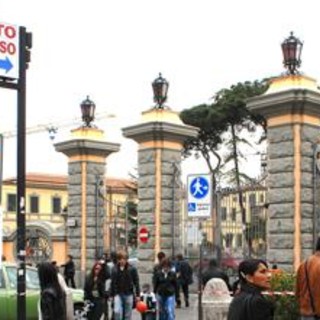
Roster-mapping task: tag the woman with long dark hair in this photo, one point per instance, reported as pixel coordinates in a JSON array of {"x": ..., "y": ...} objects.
[
  {"x": 249, "y": 303},
  {"x": 94, "y": 290},
  {"x": 52, "y": 298}
]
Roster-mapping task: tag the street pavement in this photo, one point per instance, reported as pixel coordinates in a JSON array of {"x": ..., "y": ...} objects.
[{"x": 190, "y": 313}]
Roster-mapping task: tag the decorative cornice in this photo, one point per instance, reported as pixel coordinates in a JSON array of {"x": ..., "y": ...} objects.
[
  {"x": 86, "y": 147},
  {"x": 291, "y": 101},
  {"x": 155, "y": 130}
]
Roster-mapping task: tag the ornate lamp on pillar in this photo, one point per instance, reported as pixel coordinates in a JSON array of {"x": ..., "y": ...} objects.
[
  {"x": 291, "y": 107},
  {"x": 87, "y": 109},
  {"x": 87, "y": 151},
  {"x": 160, "y": 88},
  {"x": 291, "y": 50},
  {"x": 160, "y": 136}
]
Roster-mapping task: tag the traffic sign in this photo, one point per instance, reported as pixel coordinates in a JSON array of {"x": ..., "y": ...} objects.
[
  {"x": 199, "y": 195},
  {"x": 144, "y": 235},
  {"x": 9, "y": 51}
]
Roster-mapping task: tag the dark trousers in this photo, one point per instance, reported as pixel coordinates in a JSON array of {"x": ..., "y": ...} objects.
[
  {"x": 70, "y": 281},
  {"x": 97, "y": 309},
  {"x": 185, "y": 290}
]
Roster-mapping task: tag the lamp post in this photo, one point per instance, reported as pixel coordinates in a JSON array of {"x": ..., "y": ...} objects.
[
  {"x": 160, "y": 88},
  {"x": 88, "y": 108},
  {"x": 291, "y": 49}
]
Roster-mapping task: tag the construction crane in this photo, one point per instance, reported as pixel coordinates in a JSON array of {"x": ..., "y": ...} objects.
[{"x": 53, "y": 127}]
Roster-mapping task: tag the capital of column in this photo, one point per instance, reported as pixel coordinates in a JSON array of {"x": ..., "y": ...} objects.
[
  {"x": 160, "y": 125},
  {"x": 290, "y": 95},
  {"x": 88, "y": 142}
]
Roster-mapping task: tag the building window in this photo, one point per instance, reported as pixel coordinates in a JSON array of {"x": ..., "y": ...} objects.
[
  {"x": 11, "y": 202},
  {"x": 252, "y": 200},
  {"x": 34, "y": 204},
  {"x": 229, "y": 239},
  {"x": 56, "y": 205},
  {"x": 261, "y": 197},
  {"x": 223, "y": 213},
  {"x": 233, "y": 214}
]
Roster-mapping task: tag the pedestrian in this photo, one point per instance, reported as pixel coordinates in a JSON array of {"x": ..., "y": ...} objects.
[
  {"x": 69, "y": 271},
  {"x": 125, "y": 287},
  {"x": 149, "y": 298},
  {"x": 213, "y": 271},
  {"x": 184, "y": 277},
  {"x": 52, "y": 297},
  {"x": 67, "y": 291},
  {"x": 157, "y": 267},
  {"x": 94, "y": 290},
  {"x": 107, "y": 282},
  {"x": 165, "y": 282},
  {"x": 249, "y": 303},
  {"x": 307, "y": 286}
]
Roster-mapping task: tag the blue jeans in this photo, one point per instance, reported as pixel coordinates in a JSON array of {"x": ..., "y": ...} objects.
[
  {"x": 123, "y": 306},
  {"x": 166, "y": 307}
]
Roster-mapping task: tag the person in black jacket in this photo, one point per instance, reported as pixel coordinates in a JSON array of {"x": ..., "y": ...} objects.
[
  {"x": 213, "y": 271},
  {"x": 125, "y": 288},
  {"x": 52, "y": 298},
  {"x": 185, "y": 278},
  {"x": 94, "y": 291},
  {"x": 165, "y": 286},
  {"x": 249, "y": 303},
  {"x": 69, "y": 272}
]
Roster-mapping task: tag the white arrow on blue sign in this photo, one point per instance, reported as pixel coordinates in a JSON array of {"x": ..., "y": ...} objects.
[{"x": 199, "y": 195}]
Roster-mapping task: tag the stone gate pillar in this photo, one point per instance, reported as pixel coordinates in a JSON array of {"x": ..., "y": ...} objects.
[
  {"x": 160, "y": 136},
  {"x": 87, "y": 152},
  {"x": 292, "y": 109}
]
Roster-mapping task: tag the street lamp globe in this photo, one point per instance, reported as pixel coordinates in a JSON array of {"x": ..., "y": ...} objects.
[
  {"x": 291, "y": 50},
  {"x": 160, "y": 88},
  {"x": 87, "y": 109}
]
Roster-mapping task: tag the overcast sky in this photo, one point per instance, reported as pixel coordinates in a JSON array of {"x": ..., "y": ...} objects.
[{"x": 113, "y": 50}]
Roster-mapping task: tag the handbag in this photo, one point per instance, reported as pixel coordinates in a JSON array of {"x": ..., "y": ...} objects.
[{"x": 315, "y": 317}]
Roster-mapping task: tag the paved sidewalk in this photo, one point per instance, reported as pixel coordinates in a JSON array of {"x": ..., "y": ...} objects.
[{"x": 184, "y": 313}]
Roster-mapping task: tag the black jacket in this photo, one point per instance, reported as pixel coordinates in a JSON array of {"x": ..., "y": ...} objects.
[
  {"x": 69, "y": 269},
  {"x": 53, "y": 305},
  {"x": 165, "y": 285},
  {"x": 89, "y": 286},
  {"x": 250, "y": 304},
  {"x": 124, "y": 281}
]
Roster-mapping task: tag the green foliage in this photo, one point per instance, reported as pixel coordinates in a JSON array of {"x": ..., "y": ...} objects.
[
  {"x": 227, "y": 113},
  {"x": 132, "y": 224},
  {"x": 286, "y": 306}
]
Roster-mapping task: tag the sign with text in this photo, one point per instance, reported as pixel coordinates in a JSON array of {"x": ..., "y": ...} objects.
[
  {"x": 9, "y": 51},
  {"x": 199, "y": 195}
]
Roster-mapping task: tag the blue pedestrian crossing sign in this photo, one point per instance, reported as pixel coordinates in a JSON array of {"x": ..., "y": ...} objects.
[{"x": 199, "y": 195}]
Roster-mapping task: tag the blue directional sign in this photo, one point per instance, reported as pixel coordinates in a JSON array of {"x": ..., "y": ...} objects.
[
  {"x": 9, "y": 51},
  {"x": 199, "y": 195}
]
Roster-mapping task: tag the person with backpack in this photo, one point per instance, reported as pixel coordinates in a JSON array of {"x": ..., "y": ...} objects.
[
  {"x": 125, "y": 288},
  {"x": 184, "y": 278}
]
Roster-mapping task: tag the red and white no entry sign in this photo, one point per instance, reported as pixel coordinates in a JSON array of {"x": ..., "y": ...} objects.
[{"x": 144, "y": 234}]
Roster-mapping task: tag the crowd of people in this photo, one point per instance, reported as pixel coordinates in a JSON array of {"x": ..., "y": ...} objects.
[{"x": 112, "y": 288}]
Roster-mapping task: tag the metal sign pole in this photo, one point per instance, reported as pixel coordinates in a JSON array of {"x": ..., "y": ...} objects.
[{"x": 21, "y": 173}]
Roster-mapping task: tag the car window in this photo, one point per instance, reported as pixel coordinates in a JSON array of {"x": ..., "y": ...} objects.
[
  {"x": 2, "y": 285},
  {"x": 32, "y": 279},
  {"x": 12, "y": 277}
]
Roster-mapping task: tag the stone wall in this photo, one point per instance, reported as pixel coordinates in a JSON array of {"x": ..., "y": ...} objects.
[
  {"x": 281, "y": 193},
  {"x": 94, "y": 210},
  {"x": 170, "y": 205}
]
